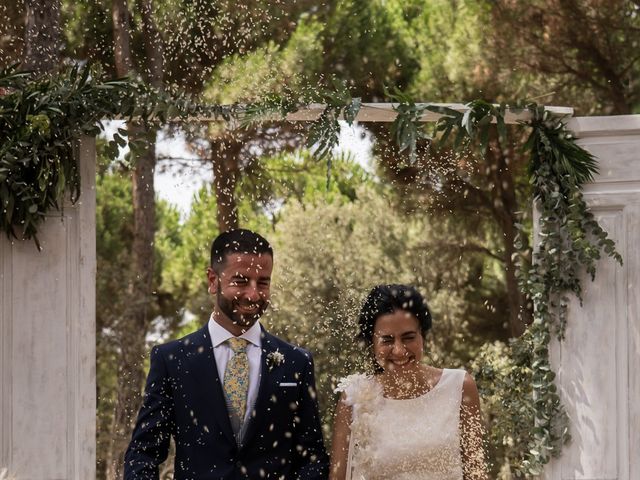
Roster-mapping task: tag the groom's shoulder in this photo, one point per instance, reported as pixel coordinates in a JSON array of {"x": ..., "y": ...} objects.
[{"x": 187, "y": 342}]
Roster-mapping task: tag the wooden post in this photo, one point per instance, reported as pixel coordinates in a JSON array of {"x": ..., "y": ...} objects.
[{"x": 47, "y": 343}]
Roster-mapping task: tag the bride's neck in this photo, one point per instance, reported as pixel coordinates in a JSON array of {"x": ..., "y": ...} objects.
[{"x": 406, "y": 384}]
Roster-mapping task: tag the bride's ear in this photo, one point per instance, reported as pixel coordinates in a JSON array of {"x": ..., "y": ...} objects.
[
  {"x": 370, "y": 363},
  {"x": 376, "y": 363},
  {"x": 427, "y": 353}
]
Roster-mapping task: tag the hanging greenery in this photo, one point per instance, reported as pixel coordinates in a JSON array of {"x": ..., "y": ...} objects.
[
  {"x": 42, "y": 118},
  {"x": 323, "y": 133},
  {"x": 406, "y": 129},
  {"x": 570, "y": 242}
]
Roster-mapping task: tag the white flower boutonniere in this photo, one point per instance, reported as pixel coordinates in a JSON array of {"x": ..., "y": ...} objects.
[{"x": 275, "y": 359}]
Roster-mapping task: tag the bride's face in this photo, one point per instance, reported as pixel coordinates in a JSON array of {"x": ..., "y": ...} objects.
[{"x": 397, "y": 342}]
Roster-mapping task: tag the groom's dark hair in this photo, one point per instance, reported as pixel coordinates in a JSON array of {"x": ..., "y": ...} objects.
[{"x": 237, "y": 241}]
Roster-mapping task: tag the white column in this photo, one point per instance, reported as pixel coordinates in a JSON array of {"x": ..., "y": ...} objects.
[
  {"x": 598, "y": 364},
  {"x": 47, "y": 343}
]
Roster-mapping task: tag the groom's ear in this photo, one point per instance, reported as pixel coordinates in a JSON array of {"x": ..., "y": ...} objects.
[{"x": 212, "y": 278}]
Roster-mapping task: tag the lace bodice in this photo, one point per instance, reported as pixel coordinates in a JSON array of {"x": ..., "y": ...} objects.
[{"x": 409, "y": 439}]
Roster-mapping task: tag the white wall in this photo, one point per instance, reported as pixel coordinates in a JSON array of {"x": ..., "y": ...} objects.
[
  {"x": 599, "y": 362},
  {"x": 47, "y": 344}
]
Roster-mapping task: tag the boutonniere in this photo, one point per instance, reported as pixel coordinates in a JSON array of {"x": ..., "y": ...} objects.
[{"x": 275, "y": 359}]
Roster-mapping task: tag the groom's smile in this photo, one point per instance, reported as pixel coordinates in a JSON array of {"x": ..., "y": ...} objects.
[{"x": 242, "y": 290}]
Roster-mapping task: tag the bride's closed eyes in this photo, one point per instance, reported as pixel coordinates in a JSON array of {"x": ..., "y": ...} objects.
[{"x": 389, "y": 339}]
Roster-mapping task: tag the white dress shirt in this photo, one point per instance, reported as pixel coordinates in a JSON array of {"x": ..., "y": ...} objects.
[{"x": 223, "y": 353}]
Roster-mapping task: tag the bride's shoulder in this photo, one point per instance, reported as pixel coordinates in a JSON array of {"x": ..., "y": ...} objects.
[
  {"x": 359, "y": 388},
  {"x": 355, "y": 381}
]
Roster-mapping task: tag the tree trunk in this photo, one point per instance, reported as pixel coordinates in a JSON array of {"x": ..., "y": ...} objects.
[
  {"x": 12, "y": 33},
  {"x": 152, "y": 44},
  {"x": 42, "y": 35},
  {"x": 504, "y": 210},
  {"x": 121, "y": 37},
  {"x": 133, "y": 328},
  {"x": 225, "y": 153}
]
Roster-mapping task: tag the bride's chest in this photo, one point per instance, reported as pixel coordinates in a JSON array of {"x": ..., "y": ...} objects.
[{"x": 415, "y": 422}]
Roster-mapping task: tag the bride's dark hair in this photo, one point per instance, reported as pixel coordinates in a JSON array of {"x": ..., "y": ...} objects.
[{"x": 385, "y": 299}]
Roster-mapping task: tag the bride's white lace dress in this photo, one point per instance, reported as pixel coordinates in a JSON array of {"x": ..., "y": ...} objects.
[{"x": 409, "y": 439}]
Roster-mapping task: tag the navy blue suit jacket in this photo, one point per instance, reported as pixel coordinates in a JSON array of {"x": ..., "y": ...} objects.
[{"x": 184, "y": 398}]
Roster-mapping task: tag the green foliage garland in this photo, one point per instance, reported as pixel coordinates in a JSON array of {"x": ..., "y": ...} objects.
[
  {"x": 406, "y": 129},
  {"x": 571, "y": 241},
  {"x": 41, "y": 118},
  {"x": 38, "y": 123},
  {"x": 323, "y": 134}
]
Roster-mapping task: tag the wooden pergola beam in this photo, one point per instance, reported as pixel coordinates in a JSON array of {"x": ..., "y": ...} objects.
[{"x": 384, "y": 112}]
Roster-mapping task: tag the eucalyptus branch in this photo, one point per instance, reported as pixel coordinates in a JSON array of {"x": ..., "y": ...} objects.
[
  {"x": 324, "y": 132},
  {"x": 40, "y": 120},
  {"x": 570, "y": 242},
  {"x": 406, "y": 129},
  {"x": 273, "y": 107}
]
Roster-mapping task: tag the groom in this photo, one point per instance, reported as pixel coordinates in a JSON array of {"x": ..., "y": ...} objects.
[{"x": 239, "y": 402}]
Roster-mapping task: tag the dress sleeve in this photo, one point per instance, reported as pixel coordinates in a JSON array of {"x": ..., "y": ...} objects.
[{"x": 355, "y": 387}]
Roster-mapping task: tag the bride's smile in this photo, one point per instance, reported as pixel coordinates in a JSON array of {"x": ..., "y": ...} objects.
[{"x": 397, "y": 342}]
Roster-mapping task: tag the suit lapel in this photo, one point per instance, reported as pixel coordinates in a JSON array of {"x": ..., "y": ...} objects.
[
  {"x": 205, "y": 372},
  {"x": 268, "y": 373}
]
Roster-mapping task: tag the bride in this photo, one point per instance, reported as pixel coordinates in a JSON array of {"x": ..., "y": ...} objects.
[{"x": 408, "y": 420}]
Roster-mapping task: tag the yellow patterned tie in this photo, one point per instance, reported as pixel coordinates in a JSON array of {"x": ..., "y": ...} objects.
[{"x": 236, "y": 376}]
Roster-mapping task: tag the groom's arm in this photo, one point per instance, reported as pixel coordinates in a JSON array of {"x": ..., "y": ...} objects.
[
  {"x": 149, "y": 445},
  {"x": 311, "y": 461}
]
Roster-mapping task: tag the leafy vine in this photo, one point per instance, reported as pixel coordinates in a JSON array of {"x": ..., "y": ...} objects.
[
  {"x": 571, "y": 241},
  {"x": 41, "y": 118},
  {"x": 323, "y": 133}
]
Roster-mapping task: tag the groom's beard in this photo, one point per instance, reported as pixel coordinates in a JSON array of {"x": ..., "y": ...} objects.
[{"x": 229, "y": 306}]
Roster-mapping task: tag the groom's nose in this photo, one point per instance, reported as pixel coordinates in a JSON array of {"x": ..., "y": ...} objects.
[{"x": 251, "y": 292}]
